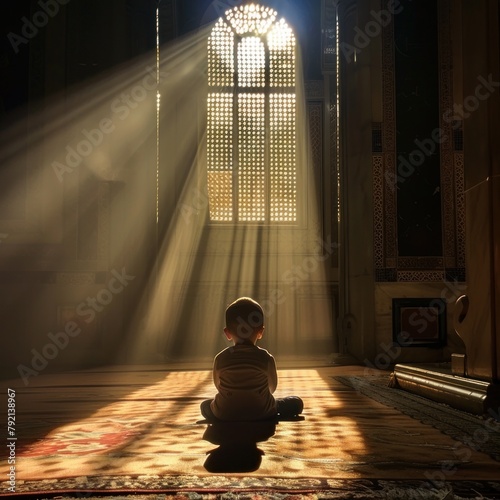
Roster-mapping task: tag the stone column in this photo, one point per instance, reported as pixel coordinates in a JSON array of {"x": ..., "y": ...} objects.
[{"x": 356, "y": 268}]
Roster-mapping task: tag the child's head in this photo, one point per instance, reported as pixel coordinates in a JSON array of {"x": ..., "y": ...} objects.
[{"x": 244, "y": 320}]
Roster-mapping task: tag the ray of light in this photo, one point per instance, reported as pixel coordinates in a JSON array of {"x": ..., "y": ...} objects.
[
  {"x": 203, "y": 266},
  {"x": 101, "y": 203}
]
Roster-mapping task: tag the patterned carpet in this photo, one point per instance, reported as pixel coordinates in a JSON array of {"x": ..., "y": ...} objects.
[
  {"x": 471, "y": 430},
  {"x": 122, "y": 431},
  {"x": 191, "y": 488}
]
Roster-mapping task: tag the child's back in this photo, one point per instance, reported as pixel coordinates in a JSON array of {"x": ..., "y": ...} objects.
[{"x": 245, "y": 375}]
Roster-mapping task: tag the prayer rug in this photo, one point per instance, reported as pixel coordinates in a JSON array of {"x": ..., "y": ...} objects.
[{"x": 138, "y": 430}]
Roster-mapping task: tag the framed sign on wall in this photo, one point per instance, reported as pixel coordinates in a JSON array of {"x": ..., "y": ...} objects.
[{"x": 419, "y": 322}]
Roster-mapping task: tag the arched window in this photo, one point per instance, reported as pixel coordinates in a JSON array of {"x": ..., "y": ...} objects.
[{"x": 251, "y": 118}]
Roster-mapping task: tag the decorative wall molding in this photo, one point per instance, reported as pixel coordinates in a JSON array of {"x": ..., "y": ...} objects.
[
  {"x": 315, "y": 120},
  {"x": 389, "y": 266},
  {"x": 314, "y": 89},
  {"x": 329, "y": 38}
]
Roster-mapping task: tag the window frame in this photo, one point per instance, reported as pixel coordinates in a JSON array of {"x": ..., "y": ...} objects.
[{"x": 236, "y": 90}]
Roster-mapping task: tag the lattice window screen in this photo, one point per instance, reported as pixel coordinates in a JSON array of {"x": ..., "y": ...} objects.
[
  {"x": 281, "y": 42},
  {"x": 219, "y": 156},
  {"x": 221, "y": 55},
  {"x": 251, "y": 62},
  {"x": 283, "y": 178},
  {"x": 251, "y": 122}
]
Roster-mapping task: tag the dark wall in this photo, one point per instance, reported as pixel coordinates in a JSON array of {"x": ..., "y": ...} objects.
[
  {"x": 14, "y": 58},
  {"x": 72, "y": 39},
  {"x": 417, "y": 116}
]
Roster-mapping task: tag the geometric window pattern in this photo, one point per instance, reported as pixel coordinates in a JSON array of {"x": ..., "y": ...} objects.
[{"x": 251, "y": 118}]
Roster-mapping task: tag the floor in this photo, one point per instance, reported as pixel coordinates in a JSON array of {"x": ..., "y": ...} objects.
[{"x": 139, "y": 427}]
